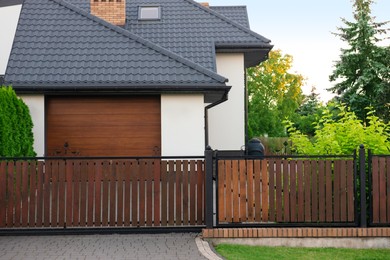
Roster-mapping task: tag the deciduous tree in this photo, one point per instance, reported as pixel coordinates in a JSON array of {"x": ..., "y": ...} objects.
[{"x": 274, "y": 94}]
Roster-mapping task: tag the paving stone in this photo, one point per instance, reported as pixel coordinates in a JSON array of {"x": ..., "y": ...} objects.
[{"x": 133, "y": 246}]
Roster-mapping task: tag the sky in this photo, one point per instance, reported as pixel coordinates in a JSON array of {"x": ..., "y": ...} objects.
[{"x": 301, "y": 28}]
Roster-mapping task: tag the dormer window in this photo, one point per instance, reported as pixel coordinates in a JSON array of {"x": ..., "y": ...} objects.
[{"x": 149, "y": 13}]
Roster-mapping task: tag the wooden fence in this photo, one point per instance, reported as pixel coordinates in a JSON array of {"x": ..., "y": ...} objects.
[
  {"x": 101, "y": 193},
  {"x": 286, "y": 191},
  {"x": 380, "y": 190}
]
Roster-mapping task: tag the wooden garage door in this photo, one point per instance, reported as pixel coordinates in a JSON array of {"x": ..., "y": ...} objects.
[{"x": 103, "y": 126}]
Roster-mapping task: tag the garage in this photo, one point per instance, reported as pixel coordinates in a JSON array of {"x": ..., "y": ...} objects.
[{"x": 103, "y": 126}]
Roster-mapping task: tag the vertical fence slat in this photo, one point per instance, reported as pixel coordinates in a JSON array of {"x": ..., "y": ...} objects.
[
  {"x": 192, "y": 192},
  {"x": 134, "y": 193},
  {"x": 286, "y": 191},
  {"x": 200, "y": 192},
  {"x": 91, "y": 192},
  {"x": 336, "y": 190},
  {"x": 382, "y": 190},
  {"x": 350, "y": 191},
  {"x": 242, "y": 191},
  {"x": 157, "y": 191},
  {"x": 98, "y": 193},
  {"x": 293, "y": 190},
  {"x": 46, "y": 194},
  {"x": 76, "y": 193},
  {"x": 271, "y": 171},
  {"x": 301, "y": 194},
  {"x": 307, "y": 184},
  {"x": 61, "y": 193},
  {"x": 171, "y": 205},
  {"x": 265, "y": 198},
  {"x": 31, "y": 194},
  {"x": 120, "y": 194},
  {"x": 321, "y": 191},
  {"x": 258, "y": 192},
  {"x": 314, "y": 190},
  {"x": 250, "y": 190},
  {"x": 229, "y": 191},
  {"x": 24, "y": 194},
  {"x": 328, "y": 191},
  {"x": 236, "y": 201},
  {"x": 3, "y": 193},
  {"x": 112, "y": 184},
  {"x": 343, "y": 191},
  {"x": 186, "y": 203},
  {"x": 222, "y": 190},
  {"x": 18, "y": 194},
  {"x": 54, "y": 194},
  {"x": 141, "y": 197},
  {"x": 83, "y": 192},
  {"x": 11, "y": 194},
  {"x": 179, "y": 180},
  {"x": 164, "y": 192},
  {"x": 106, "y": 194},
  {"x": 127, "y": 171},
  {"x": 279, "y": 194},
  {"x": 40, "y": 181},
  {"x": 149, "y": 193},
  {"x": 69, "y": 191}
]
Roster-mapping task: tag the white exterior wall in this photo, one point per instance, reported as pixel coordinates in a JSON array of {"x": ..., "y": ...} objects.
[
  {"x": 227, "y": 120},
  {"x": 36, "y": 104},
  {"x": 182, "y": 125}
]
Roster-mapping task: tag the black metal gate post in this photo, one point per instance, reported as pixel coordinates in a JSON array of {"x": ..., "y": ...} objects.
[
  {"x": 209, "y": 187},
  {"x": 363, "y": 196}
]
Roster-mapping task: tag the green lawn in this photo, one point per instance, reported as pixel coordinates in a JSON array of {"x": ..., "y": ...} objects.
[{"x": 233, "y": 252}]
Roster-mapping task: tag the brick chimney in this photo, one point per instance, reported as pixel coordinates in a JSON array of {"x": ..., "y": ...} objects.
[
  {"x": 112, "y": 11},
  {"x": 205, "y": 4}
]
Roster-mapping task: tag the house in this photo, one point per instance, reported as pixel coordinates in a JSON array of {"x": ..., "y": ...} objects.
[{"x": 135, "y": 77}]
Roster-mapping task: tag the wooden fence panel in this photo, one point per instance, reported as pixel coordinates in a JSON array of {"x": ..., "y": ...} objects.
[
  {"x": 286, "y": 191},
  {"x": 380, "y": 190}
]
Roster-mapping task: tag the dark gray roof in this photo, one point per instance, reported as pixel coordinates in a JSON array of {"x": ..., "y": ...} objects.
[
  {"x": 239, "y": 14},
  {"x": 194, "y": 31},
  {"x": 58, "y": 45}
]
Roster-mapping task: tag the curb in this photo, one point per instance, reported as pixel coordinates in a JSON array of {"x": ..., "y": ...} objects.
[{"x": 205, "y": 250}]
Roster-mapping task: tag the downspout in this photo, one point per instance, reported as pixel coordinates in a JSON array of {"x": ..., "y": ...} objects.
[{"x": 206, "y": 115}]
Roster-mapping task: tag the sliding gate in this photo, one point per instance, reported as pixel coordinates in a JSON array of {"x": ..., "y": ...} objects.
[{"x": 101, "y": 192}]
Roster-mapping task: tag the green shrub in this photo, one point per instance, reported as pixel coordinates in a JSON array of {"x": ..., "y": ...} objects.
[
  {"x": 342, "y": 135},
  {"x": 16, "y": 137}
]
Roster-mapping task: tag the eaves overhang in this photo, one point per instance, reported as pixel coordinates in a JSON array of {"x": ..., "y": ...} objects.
[
  {"x": 212, "y": 92},
  {"x": 254, "y": 53}
]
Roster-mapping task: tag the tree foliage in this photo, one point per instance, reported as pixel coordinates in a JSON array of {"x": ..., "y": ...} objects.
[
  {"x": 362, "y": 74},
  {"x": 16, "y": 137},
  {"x": 309, "y": 113},
  {"x": 274, "y": 94},
  {"x": 339, "y": 131}
]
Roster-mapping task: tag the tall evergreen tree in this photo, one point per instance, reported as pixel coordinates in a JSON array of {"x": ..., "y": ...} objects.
[
  {"x": 16, "y": 137},
  {"x": 363, "y": 71}
]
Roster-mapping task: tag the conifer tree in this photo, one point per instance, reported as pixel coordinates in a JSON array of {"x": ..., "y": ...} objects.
[{"x": 362, "y": 74}]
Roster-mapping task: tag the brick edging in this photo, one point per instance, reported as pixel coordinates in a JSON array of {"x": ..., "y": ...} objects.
[{"x": 295, "y": 232}]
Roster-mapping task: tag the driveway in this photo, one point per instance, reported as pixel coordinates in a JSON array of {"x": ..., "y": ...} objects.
[{"x": 133, "y": 246}]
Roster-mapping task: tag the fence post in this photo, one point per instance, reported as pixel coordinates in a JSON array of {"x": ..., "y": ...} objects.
[
  {"x": 363, "y": 196},
  {"x": 209, "y": 187}
]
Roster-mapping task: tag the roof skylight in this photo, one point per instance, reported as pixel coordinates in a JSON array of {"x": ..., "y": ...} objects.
[{"x": 149, "y": 13}]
